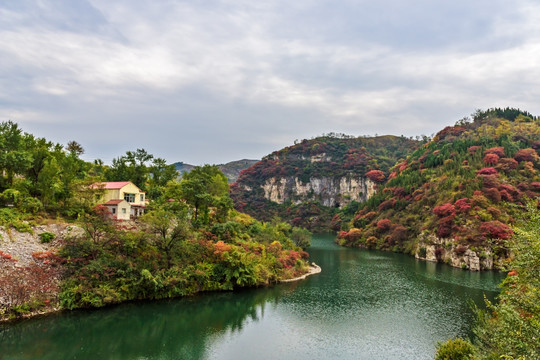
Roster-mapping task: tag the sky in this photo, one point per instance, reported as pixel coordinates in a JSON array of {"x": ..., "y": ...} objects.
[{"x": 220, "y": 80}]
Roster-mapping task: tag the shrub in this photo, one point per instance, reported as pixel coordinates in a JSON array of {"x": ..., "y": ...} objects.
[
  {"x": 46, "y": 237},
  {"x": 460, "y": 250},
  {"x": 487, "y": 171},
  {"x": 388, "y": 204},
  {"x": 496, "y": 230},
  {"x": 445, "y": 226},
  {"x": 384, "y": 224},
  {"x": 376, "y": 176},
  {"x": 491, "y": 159},
  {"x": 498, "y": 150},
  {"x": 462, "y": 205},
  {"x": 454, "y": 349},
  {"x": 506, "y": 164},
  {"x": 526, "y": 155},
  {"x": 493, "y": 194},
  {"x": 444, "y": 210}
]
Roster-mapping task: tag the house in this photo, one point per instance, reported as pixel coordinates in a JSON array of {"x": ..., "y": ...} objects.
[{"x": 123, "y": 199}]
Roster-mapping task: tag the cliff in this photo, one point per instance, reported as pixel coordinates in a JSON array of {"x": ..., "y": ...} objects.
[
  {"x": 330, "y": 192},
  {"x": 307, "y": 183}
]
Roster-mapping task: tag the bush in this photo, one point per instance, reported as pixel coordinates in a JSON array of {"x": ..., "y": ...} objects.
[
  {"x": 454, "y": 349},
  {"x": 46, "y": 237},
  {"x": 376, "y": 176}
]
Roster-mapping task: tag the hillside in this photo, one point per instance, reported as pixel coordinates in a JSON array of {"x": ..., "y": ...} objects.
[
  {"x": 307, "y": 183},
  {"x": 231, "y": 169},
  {"x": 455, "y": 199}
]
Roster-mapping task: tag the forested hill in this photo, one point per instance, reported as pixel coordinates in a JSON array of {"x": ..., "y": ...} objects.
[
  {"x": 305, "y": 183},
  {"x": 231, "y": 169},
  {"x": 455, "y": 198}
]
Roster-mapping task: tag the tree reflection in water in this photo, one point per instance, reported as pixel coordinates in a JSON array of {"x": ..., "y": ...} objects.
[{"x": 174, "y": 329}]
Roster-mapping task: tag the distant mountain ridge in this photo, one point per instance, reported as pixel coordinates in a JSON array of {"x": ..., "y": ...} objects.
[{"x": 231, "y": 169}]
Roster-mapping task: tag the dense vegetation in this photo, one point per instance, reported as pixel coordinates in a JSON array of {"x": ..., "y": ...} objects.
[
  {"x": 467, "y": 186},
  {"x": 189, "y": 240},
  {"x": 509, "y": 329},
  {"x": 332, "y": 155}
]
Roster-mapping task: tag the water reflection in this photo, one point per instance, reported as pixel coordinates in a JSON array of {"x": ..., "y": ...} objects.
[
  {"x": 176, "y": 329},
  {"x": 364, "y": 305}
]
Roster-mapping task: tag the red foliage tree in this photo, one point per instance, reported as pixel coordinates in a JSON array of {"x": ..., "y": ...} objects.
[
  {"x": 498, "y": 150},
  {"x": 388, "y": 204},
  {"x": 473, "y": 149},
  {"x": 376, "y": 176},
  {"x": 462, "y": 205},
  {"x": 444, "y": 210},
  {"x": 492, "y": 194},
  {"x": 490, "y": 181},
  {"x": 399, "y": 233},
  {"x": 526, "y": 155},
  {"x": 491, "y": 159},
  {"x": 496, "y": 230},
  {"x": 449, "y": 131},
  {"x": 487, "y": 171},
  {"x": 384, "y": 224},
  {"x": 506, "y": 164},
  {"x": 445, "y": 226}
]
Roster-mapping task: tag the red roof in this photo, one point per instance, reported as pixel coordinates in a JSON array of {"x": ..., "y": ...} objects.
[
  {"x": 113, "y": 202},
  {"x": 110, "y": 185}
]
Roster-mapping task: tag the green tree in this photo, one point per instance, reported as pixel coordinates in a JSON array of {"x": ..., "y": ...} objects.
[
  {"x": 204, "y": 187},
  {"x": 169, "y": 230},
  {"x": 511, "y": 329},
  {"x": 14, "y": 158}
]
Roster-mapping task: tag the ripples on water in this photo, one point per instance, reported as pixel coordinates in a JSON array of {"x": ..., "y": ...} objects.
[{"x": 364, "y": 305}]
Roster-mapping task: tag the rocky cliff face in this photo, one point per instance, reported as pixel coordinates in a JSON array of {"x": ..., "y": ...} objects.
[
  {"x": 329, "y": 191},
  {"x": 432, "y": 248}
]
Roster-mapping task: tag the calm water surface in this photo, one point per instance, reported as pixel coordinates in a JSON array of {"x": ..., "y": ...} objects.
[{"x": 364, "y": 305}]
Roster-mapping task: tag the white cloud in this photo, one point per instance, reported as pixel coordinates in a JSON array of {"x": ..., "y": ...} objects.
[{"x": 207, "y": 68}]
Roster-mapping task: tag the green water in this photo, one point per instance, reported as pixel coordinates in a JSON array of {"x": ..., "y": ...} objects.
[{"x": 364, "y": 305}]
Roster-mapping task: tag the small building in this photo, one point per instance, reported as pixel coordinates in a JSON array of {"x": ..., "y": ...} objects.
[{"x": 123, "y": 199}]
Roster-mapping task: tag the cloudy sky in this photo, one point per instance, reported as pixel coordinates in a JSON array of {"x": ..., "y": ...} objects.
[{"x": 219, "y": 80}]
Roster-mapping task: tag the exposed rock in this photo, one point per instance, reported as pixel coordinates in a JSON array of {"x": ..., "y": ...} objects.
[
  {"x": 448, "y": 251},
  {"x": 331, "y": 192},
  {"x": 21, "y": 246}
]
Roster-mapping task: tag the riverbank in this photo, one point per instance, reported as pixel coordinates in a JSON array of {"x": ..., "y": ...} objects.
[
  {"x": 313, "y": 269},
  {"x": 40, "y": 277}
]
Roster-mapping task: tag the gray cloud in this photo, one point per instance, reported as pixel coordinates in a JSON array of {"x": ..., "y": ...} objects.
[{"x": 215, "y": 81}]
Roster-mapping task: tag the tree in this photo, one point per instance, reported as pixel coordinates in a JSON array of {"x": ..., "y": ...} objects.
[
  {"x": 74, "y": 147},
  {"x": 14, "y": 159},
  {"x": 202, "y": 188},
  {"x": 169, "y": 228},
  {"x": 511, "y": 329},
  {"x": 160, "y": 175}
]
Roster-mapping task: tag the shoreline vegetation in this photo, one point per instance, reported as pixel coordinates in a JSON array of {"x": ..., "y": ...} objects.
[
  {"x": 186, "y": 239},
  {"x": 313, "y": 269}
]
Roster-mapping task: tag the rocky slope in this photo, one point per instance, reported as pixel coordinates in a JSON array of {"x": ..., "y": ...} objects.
[
  {"x": 308, "y": 182},
  {"x": 455, "y": 199}
]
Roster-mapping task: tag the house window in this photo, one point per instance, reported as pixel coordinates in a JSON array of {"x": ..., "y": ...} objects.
[
  {"x": 130, "y": 198},
  {"x": 142, "y": 198},
  {"x": 123, "y": 210},
  {"x": 114, "y": 211}
]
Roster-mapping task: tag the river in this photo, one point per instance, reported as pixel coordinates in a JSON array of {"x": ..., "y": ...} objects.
[{"x": 364, "y": 305}]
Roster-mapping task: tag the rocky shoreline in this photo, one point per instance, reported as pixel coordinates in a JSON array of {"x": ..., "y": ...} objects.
[{"x": 313, "y": 269}]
